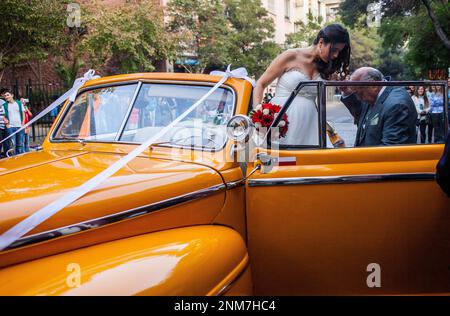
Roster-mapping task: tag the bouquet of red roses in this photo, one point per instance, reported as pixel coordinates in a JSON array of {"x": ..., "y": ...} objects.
[{"x": 264, "y": 114}]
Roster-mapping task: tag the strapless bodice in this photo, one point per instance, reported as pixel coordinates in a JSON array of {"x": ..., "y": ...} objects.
[{"x": 289, "y": 81}]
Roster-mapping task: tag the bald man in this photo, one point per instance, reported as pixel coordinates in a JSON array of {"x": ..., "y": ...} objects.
[{"x": 384, "y": 115}]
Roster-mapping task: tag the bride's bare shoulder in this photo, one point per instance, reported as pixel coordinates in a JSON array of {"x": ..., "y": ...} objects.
[
  {"x": 288, "y": 55},
  {"x": 304, "y": 54}
]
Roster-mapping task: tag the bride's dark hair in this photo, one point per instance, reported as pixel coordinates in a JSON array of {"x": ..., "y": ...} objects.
[{"x": 334, "y": 34}]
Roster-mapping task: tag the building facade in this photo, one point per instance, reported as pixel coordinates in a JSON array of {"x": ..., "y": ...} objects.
[
  {"x": 287, "y": 14},
  {"x": 283, "y": 13}
]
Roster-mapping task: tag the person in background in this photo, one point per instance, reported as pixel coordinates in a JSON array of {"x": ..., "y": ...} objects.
[
  {"x": 437, "y": 114},
  {"x": 15, "y": 114},
  {"x": 384, "y": 116},
  {"x": 27, "y": 117},
  {"x": 422, "y": 106},
  {"x": 430, "y": 91},
  {"x": 3, "y": 131},
  {"x": 448, "y": 85},
  {"x": 411, "y": 90},
  {"x": 268, "y": 96}
]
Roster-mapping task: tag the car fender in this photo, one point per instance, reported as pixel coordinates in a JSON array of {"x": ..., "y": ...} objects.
[{"x": 198, "y": 260}]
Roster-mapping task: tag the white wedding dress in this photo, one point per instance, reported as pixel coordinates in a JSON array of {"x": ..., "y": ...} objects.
[{"x": 302, "y": 113}]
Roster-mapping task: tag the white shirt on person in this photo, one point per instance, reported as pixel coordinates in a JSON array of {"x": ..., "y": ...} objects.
[
  {"x": 381, "y": 91},
  {"x": 2, "y": 115},
  {"x": 14, "y": 115}
]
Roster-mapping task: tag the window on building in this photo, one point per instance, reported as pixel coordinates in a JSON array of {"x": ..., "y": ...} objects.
[
  {"x": 287, "y": 9},
  {"x": 271, "y": 6}
]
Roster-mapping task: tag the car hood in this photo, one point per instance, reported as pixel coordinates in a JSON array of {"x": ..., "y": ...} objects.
[{"x": 31, "y": 181}]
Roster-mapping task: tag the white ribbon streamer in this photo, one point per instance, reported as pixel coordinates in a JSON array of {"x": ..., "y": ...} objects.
[
  {"x": 28, "y": 224},
  {"x": 240, "y": 73},
  {"x": 71, "y": 94}
]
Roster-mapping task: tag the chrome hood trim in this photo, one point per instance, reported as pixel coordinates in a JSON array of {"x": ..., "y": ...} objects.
[{"x": 113, "y": 218}]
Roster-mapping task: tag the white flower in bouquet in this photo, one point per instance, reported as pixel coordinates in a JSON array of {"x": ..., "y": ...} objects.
[
  {"x": 266, "y": 111},
  {"x": 282, "y": 123}
]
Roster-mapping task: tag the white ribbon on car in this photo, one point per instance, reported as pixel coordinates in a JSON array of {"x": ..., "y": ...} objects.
[
  {"x": 32, "y": 221},
  {"x": 71, "y": 94},
  {"x": 236, "y": 73}
]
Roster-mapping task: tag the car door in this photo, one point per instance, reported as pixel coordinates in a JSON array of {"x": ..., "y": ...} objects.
[{"x": 349, "y": 221}]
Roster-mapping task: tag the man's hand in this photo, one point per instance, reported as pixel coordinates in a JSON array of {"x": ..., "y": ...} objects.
[{"x": 346, "y": 90}]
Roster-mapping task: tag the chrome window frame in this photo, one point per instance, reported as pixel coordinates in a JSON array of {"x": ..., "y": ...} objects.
[
  {"x": 322, "y": 102},
  {"x": 323, "y": 114},
  {"x": 284, "y": 109},
  {"x": 140, "y": 83}
]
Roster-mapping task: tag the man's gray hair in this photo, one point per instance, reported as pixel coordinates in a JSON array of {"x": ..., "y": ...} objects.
[{"x": 372, "y": 74}]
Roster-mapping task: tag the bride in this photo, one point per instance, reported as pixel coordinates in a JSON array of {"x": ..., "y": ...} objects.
[{"x": 329, "y": 55}]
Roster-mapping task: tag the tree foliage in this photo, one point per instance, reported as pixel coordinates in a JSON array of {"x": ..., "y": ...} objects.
[
  {"x": 222, "y": 32},
  {"x": 306, "y": 32},
  {"x": 251, "y": 36},
  {"x": 201, "y": 29},
  {"x": 30, "y": 29},
  {"x": 425, "y": 50},
  {"x": 365, "y": 43},
  {"x": 131, "y": 37},
  {"x": 67, "y": 71},
  {"x": 366, "y": 48},
  {"x": 409, "y": 34}
]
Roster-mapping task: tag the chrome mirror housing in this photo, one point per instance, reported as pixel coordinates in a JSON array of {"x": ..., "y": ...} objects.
[{"x": 240, "y": 128}]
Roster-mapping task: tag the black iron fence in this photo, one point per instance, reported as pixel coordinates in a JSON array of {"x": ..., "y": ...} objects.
[{"x": 39, "y": 97}]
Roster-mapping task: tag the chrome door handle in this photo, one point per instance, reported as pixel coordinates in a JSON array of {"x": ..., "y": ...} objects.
[{"x": 267, "y": 162}]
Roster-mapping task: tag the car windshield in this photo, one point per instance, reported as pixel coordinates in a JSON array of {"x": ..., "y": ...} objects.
[{"x": 133, "y": 113}]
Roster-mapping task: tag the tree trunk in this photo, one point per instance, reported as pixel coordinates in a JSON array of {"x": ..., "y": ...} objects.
[
  {"x": 39, "y": 72},
  {"x": 437, "y": 26},
  {"x": 32, "y": 69}
]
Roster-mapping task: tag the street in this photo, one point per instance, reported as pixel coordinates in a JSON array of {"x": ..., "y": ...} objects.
[{"x": 341, "y": 119}]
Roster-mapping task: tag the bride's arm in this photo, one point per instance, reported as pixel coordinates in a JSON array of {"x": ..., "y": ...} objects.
[{"x": 278, "y": 66}]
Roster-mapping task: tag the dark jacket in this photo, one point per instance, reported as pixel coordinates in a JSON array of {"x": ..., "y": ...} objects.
[
  {"x": 391, "y": 121},
  {"x": 443, "y": 168}
]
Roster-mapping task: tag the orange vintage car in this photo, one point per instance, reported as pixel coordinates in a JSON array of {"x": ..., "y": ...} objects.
[{"x": 193, "y": 214}]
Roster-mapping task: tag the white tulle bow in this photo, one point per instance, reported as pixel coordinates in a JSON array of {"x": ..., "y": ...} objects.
[{"x": 240, "y": 73}]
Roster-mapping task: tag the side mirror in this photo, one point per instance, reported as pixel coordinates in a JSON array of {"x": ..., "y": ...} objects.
[{"x": 239, "y": 130}]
